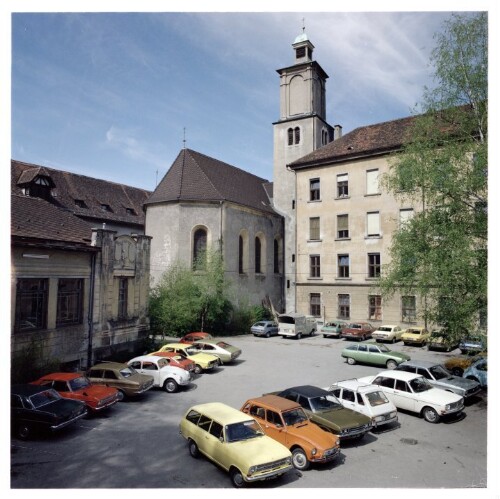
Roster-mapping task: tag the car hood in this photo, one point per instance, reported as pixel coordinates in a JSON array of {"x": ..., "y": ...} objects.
[
  {"x": 97, "y": 391},
  {"x": 456, "y": 381},
  {"x": 232, "y": 349},
  {"x": 312, "y": 433},
  {"x": 342, "y": 417},
  {"x": 438, "y": 396},
  {"x": 63, "y": 408},
  {"x": 259, "y": 450}
]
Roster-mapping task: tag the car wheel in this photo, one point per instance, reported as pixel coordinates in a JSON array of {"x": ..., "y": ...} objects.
[
  {"x": 198, "y": 369},
  {"x": 121, "y": 395},
  {"x": 24, "y": 431},
  {"x": 237, "y": 478},
  {"x": 299, "y": 336},
  {"x": 170, "y": 385},
  {"x": 457, "y": 371},
  {"x": 299, "y": 459},
  {"x": 391, "y": 364},
  {"x": 193, "y": 449},
  {"x": 393, "y": 340},
  {"x": 430, "y": 415},
  {"x": 351, "y": 361},
  {"x": 268, "y": 334}
]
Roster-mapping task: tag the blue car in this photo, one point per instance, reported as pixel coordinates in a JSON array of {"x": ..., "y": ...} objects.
[{"x": 478, "y": 372}]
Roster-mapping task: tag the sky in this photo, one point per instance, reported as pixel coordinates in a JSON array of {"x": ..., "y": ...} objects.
[{"x": 114, "y": 95}]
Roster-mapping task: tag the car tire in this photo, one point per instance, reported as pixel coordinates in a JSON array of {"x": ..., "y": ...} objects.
[
  {"x": 121, "y": 395},
  {"x": 299, "y": 336},
  {"x": 193, "y": 449},
  {"x": 457, "y": 371},
  {"x": 198, "y": 369},
  {"x": 351, "y": 361},
  {"x": 430, "y": 415},
  {"x": 391, "y": 364},
  {"x": 299, "y": 459},
  {"x": 24, "y": 431},
  {"x": 236, "y": 478},
  {"x": 170, "y": 385},
  {"x": 268, "y": 334}
]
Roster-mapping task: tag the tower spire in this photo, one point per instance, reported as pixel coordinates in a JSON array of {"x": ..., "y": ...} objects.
[{"x": 184, "y": 139}]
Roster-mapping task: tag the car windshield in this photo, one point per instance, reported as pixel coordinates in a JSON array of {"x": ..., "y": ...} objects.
[
  {"x": 79, "y": 383},
  {"x": 414, "y": 331},
  {"x": 354, "y": 326},
  {"x": 295, "y": 416},
  {"x": 383, "y": 348},
  {"x": 192, "y": 350},
  {"x": 259, "y": 324},
  {"x": 385, "y": 329},
  {"x": 126, "y": 372},
  {"x": 243, "y": 431},
  {"x": 377, "y": 398},
  {"x": 439, "y": 372},
  {"x": 44, "y": 398},
  {"x": 420, "y": 384},
  {"x": 324, "y": 402},
  {"x": 222, "y": 344}
]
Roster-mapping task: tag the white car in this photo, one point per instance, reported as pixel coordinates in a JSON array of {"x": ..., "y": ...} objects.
[
  {"x": 369, "y": 400},
  {"x": 388, "y": 333},
  {"x": 165, "y": 376},
  {"x": 414, "y": 393}
]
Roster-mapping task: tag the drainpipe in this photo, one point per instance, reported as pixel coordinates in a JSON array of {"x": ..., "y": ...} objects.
[{"x": 90, "y": 319}]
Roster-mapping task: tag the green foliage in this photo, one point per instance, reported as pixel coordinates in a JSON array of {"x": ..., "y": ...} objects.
[
  {"x": 440, "y": 253},
  {"x": 245, "y": 316},
  {"x": 191, "y": 299}
]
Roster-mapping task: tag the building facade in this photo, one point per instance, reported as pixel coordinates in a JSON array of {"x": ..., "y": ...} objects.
[
  {"x": 345, "y": 221},
  {"x": 79, "y": 288},
  {"x": 202, "y": 204}
]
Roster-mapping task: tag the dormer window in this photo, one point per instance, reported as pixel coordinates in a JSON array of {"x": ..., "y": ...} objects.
[
  {"x": 80, "y": 203},
  {"x": 106, "y": 207},
  {"x": 130, "y": 211},
  {"x": 40, "y": 187}
]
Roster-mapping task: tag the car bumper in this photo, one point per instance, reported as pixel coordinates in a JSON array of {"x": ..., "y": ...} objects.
[
  {"x": 355, "y": 432},
  {"x": 387, "y": 420},
  {"x": 329, "y": 455},
  {"x": 105, "y": 405},
  {"x": 268, "y": 475},
  {"x": 68, "y": 422}
]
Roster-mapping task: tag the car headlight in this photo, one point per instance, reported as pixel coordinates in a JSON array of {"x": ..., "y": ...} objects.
[
  {"x": 314, "y": 451},
  {"x": 288, "y": 460},
  {"x": 447, "y": 407},
  {"x": 378, "y": 418},
  {"x": 252, "y": 470},
  {"x": 344, "y": 431}
]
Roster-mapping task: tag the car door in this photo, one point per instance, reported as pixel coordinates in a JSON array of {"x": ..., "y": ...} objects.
[
  {"x": 403, "y": 397},
  {"x": 214, "y": 444},
  {"x": 348, "y": 398},
  {"x": 275, "y": 427},
  {"x": 375, "y": 356},
  {"x": 362, "y": 354},
  {"x": 151, "y": 369}
]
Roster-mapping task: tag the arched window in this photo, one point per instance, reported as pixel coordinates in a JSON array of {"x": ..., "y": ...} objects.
[
  {"x": 240, "y": 255},
  {"x": 297, "y": 135},
  {"x": 258, "y": 256},
  {"x": 290, "y": 136},
  {"x": 200, "y": 249}
]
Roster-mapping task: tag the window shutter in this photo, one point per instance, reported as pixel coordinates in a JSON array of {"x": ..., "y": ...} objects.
[
  {"x": 373, "y": 224},
  {"x": 342, "y": 222},
  {"x": 372, "y": 182}
]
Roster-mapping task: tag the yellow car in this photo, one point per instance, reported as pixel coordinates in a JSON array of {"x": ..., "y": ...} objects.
[
  {"x": 415, "y": 336},
  {"x": 235, "y": 442},
  {"x": 203, "y": 361}
]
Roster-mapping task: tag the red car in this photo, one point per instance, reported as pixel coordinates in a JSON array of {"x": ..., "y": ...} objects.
[
  {"x": 192, "y": 337},
  {"x": 360, "y": 331},
  {"x": 177, "y": 360},
  {"x": 78, "y": 387}
]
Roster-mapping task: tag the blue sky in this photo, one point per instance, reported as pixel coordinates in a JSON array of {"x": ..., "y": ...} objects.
[{"x": 109, "y": 94}]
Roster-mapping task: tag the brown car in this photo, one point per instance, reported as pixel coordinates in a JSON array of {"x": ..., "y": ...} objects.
[
  {"x": 177, "y": 360},
  {"x": 120, "y": 376},
  {"x": 285, "y": 421},
  {"x": 360, "y": 331},
  {"x": 457, "y": 365}
]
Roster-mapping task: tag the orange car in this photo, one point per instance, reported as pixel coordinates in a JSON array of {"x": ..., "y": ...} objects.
[
  {"x": 192, "y": 337},
  {"x": 177, "y": 360},
  {"x": 285, "y": 421},
  {"x": 77, "y": 386}
]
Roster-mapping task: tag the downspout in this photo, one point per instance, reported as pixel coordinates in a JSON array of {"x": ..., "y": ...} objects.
[{"x": 90, "y": 319}]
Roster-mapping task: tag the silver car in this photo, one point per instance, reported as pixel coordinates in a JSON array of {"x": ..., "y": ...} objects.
[
  {"x": 265, "y": 328},
  {"x": 439, "y": 377}
]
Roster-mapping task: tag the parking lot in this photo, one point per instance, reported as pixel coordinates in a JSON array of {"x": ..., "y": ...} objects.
[{"x": 136, "y": 444}]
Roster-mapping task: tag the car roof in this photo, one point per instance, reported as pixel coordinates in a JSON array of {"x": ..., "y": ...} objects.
[
  {"x": 150, "y": 358},
  {"x": 274, "y": 402},
  {"x": 355, "y": 384},
  {"x": 387, "y": 325},
  {"x": 419, "y": 363},
  {"x": 395, "y": 374},
  {"x": 208, "y": 341},
  {"x": 308, "y": 390},
  {"x": 27, "y": 389},
  {"x": 109, "y": 365},
  {"x": 176, "y": 345},
  {"x": 222, "y": 413},
  {"x": 62, "y": 376}
]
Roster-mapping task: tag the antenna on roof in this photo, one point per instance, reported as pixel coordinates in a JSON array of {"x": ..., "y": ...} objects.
[
  {"x": 184, "y": 139},
  {"x": 303, "y": 25}
]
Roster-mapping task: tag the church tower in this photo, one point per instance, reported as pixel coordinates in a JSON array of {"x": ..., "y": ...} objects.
[{"x": 301, "y": 129}]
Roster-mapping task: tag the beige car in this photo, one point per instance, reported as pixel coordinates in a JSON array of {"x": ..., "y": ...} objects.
[
  {"x": 235, "y": 442},
  {"x": 416, "y": 336},
  {"x": 390, "y": 333}
]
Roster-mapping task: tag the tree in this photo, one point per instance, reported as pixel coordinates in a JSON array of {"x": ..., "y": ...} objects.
[
  {"x": 440, "y": 254},
  {"x": 191, "y": 299}
]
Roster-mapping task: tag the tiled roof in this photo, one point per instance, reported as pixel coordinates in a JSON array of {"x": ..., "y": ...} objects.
[
  {"x": 196, "y": 177},
  {"x": 69, "y": 188},
  {"x": 35, "y": 218},
  {"x": 361, "y": 142}
]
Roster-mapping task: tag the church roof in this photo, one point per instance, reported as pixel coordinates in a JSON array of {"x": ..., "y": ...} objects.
[
  {"x": 196, "y": 177},
  {"x": 370, "y": 140}
]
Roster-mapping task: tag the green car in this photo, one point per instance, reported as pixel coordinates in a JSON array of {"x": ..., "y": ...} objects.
[
  {"x": 324, "y": 409},
  {"x": 225, "y": 351},
  {"x": 368, "y": 352}
]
